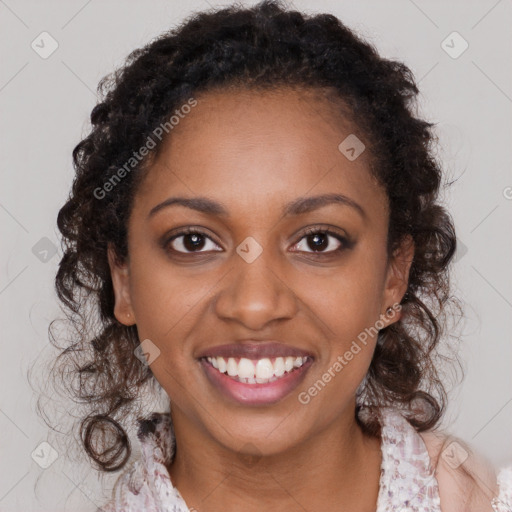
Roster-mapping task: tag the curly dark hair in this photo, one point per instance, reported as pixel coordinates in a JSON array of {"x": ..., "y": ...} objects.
[{"x": 267, "y": 46}]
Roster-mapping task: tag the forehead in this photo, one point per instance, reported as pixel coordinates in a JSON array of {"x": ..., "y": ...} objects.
[{"x": 253, "y": 148}]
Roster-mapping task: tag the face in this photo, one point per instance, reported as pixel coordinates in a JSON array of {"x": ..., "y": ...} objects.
[{"x": 284, "y": 271}]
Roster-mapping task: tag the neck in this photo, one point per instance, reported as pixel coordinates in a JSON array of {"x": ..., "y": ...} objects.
[{"x": 337, "y": 469}]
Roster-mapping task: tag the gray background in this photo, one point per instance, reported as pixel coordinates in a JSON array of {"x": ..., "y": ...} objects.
[{"x": 45, "y": 104}]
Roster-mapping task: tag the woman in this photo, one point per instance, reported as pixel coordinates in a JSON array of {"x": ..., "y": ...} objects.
[{"x": 254, "y": 217}]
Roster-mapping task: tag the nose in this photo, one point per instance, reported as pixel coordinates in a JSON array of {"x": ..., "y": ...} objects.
[{"x": 255, "y": 294}]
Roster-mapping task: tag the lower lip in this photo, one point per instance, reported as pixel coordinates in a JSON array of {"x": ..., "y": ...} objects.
[{"x": 256, "y": 394}]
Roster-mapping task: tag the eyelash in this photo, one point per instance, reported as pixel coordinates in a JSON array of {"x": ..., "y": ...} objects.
[{"x": 345, "y": 242}]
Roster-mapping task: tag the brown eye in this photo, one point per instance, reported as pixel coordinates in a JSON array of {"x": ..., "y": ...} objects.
[
  {"x": 191, "y": 241},
  {"x": 321, "y": 241}
]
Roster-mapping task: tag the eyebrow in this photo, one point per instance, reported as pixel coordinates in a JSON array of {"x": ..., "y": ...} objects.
[{"x": 295, "y": 207}]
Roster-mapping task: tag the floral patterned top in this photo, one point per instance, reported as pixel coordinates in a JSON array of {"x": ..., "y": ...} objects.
[{"x": 407, "y": 477}]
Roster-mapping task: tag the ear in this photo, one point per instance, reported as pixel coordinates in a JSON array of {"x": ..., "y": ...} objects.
[
  {"x": 397, "y": 281},
  {"x": 123, "y": 310}
]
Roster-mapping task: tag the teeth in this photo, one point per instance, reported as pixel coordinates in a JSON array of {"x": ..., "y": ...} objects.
[
  {"x": 260, "y": 371},
  {"x": 279, "y": 367},
  {"x": 246, "y": 369},
  {"x": 221, "y": 363},
  {"x": 232, "y": 368},
  {"x": 264, "y": 369}
]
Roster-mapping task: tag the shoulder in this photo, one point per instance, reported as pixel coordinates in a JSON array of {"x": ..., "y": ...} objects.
[{"x": 467, "y": 481}]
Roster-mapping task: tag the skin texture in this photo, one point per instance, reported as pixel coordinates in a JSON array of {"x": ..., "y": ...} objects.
[{"x": 254, "y": 152}]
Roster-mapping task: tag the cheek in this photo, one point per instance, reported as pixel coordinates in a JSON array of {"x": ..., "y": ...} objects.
[
  {"x": 348, "y": 303},
  {"x": 166, "y": 309},
  {"x": 162, "y": 295},
  {"x": 171, "y": 306},
  {"x": 350, "y": 313},
  {"x": 348, "y": 300}
]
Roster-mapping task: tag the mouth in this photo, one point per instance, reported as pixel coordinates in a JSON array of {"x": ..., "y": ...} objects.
[
  {"x": 255, "y": 374},
  {"x": 259, "y": 371}
]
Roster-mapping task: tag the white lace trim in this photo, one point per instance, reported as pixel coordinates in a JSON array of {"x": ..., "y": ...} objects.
[
  {"x": 407, "y": 482},
  {"x": 503, "y": 503}
]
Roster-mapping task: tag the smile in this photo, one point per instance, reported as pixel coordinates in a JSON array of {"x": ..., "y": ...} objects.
[
  {"x": 259, "y": 371},
  {"x": 255, "y": 374}
]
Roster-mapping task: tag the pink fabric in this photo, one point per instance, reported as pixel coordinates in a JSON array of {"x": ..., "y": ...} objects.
[{"x": 407, "y": 477}]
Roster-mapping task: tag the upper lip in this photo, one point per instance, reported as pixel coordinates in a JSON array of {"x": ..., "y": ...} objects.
[{"x": 254, "y": 350}]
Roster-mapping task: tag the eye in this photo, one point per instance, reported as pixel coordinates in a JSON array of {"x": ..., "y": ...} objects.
[
  {"x": 190, "y": 240},
  {"x": 322, "y": 241}
]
